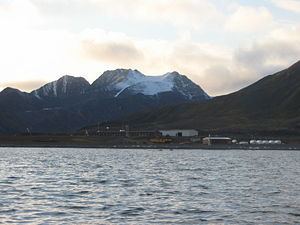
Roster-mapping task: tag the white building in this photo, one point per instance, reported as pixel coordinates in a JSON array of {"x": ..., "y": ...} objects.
[
  {"x": 179, "y": 133},
  {"x": 265, "y": 142},
  {"x": 217, "y": 140}
]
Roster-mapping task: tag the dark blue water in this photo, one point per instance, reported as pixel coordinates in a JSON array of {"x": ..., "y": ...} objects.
[{"x": 104, "y": 186}]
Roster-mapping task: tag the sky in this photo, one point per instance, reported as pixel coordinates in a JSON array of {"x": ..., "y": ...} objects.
[{"x": 222, "y": 45}]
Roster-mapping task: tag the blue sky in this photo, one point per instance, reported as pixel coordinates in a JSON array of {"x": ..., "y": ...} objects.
[{"x": 222, "y": 45}]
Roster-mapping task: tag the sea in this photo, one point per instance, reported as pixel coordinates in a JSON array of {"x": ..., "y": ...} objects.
[{"x": 148, "y": 186}]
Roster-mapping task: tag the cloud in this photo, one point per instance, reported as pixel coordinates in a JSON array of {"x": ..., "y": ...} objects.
[
  {"x": 276, "y": 51},
  {"x": 191, "y": 13},
  {"x": 223, "y": 78},
  {"x": 290, "y": 5},
  {"x": 267, "y": 57},
  {"x": 249, "y": 19},
  {"x": 19, "y": 14},
  {"x": 187, "y": 13},
  {"x": 221, "y": 70},
  {"x": 108, "y": 47}
]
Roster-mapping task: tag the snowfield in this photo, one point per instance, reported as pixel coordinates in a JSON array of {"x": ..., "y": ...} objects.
[{"x": 147, "y": 85}]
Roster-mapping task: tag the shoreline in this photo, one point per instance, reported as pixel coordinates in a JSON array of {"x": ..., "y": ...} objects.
[
  {"x": 55, "y": 141},
  {"x": 283, "y": 147}
]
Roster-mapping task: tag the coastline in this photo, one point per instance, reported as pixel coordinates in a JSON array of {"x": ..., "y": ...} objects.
[
  {"x": 283, "y": 147},
  {"x": 60, "y": 141}
]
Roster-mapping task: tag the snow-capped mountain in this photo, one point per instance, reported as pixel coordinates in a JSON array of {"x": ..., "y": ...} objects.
[
  {"x": 122, "y": 81},
  {"x": 66, "y": 86},
  {"x": 70, "y": 103},
  {"x": 117, "y": 80}
]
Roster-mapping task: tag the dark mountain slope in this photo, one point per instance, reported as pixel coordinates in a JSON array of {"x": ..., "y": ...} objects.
[
  {"x": 271, "y": 103},
  {"x": 12, "y": 100}
]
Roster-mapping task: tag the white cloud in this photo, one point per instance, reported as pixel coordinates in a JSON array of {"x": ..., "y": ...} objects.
[
  {"x": 192, "y": 13},
  {"x": 187, "y": 13},
  {"x": 18, "y": 14},
  {"x": 290, "y": 5},
  {"x": 249, "y": 19}
]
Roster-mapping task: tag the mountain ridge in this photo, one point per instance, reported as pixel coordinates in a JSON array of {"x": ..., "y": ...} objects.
[
  {"x": 69, "y": 103},
  {"x": 117, "y": 81}
]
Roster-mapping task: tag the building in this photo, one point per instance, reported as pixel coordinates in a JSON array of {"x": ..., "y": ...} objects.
[
  {"x": 265, "y": 142},
  {"x": 141, "y": 133},
  {"x": 179, "y": 133},
  {"x": 216, "y": 140}
]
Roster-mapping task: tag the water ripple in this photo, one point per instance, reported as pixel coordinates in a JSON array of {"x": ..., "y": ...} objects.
[{"x": 114, "y": 186}]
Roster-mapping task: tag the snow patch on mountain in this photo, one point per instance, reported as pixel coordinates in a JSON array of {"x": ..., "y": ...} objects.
[
  {"x": 133, "y": 77},
  {"x": 147, "y": 85},
  {"x": 48, "y": 89},
  {"x": 36, "y": 94},
  {"x": 152, "y": 87},
  {"x": 65, "y": 83},
  {"x": 55, "y": 88}
]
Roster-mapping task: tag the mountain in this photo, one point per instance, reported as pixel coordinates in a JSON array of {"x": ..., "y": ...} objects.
[
  {"x": 14, "y": 104},
  {"x": 112, "y": 82},
  {"x": 13, "y": 99},
  {"x": 270, "y": 103},
  {"x": 66, "y": 86},
  {"x": 131, "y": 82},
  {"x": 71, "y": 102}
]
